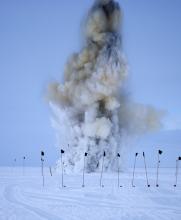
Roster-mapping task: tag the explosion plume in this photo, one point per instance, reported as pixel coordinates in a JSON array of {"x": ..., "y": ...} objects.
[{"x": 91, "y": 112}]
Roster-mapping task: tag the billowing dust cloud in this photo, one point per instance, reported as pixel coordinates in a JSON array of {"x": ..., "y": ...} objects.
[{"x": 91, "y": 111}]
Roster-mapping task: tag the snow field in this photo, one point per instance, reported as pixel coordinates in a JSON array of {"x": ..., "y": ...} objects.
[{"x": 24, "y": 198}]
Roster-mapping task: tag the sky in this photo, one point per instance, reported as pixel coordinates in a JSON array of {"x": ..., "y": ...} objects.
[{"x": 37, "y": 37}]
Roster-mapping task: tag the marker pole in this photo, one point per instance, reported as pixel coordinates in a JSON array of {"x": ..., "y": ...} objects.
[
  {"x": 158, "y": 166},
  {"x": 176, "y": 171},
  {"x": 42, "y": 167},
  {"x": 83, "y": 183},
  {"x": 132, "y": 182},
  {"x": 24, "y": 165},
  {"x": 118, "y": 157},
  {"x": 50, "y": 169},
  {"x": 101, "y": 185},
  {"x": 62, "y": 152},
  {"x": 146, "y": 170}
]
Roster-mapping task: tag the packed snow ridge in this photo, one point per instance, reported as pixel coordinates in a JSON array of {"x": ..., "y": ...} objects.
[{"x": 24, "y": 198}]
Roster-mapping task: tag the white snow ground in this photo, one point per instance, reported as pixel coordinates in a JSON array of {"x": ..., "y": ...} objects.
[{"x": 24, "y": 198}]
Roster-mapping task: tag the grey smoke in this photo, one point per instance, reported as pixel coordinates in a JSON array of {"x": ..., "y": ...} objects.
[{"x": 91, "y": 112}]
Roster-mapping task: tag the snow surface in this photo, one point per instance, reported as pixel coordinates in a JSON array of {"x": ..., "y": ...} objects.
[{"x": 24, "y": 198}]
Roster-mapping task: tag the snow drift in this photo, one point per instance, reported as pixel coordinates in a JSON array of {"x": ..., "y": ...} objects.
[{"x": 91, "y": 111}]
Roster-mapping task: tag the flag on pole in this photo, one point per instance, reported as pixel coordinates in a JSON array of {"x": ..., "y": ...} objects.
[
  {"x": 42, "y": 167},
  {"x": 158, "y": 166},
  {"x": 85, "y": 155},
  {"x": 118, "y": 156},
  {"x": 62, "y": 152}
]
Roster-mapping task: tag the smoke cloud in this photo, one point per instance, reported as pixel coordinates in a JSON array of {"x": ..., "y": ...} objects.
[{"x": 91, "y": 111}]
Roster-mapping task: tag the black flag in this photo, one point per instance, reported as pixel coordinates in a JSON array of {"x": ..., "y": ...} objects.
[
  {"x": 86, "y": 154},
  {"x": 179, "y": 158},
  {"x": 42, "y": 155},
  {"x": 62, "y": 151},
  {"x": 160, "y": 152}
]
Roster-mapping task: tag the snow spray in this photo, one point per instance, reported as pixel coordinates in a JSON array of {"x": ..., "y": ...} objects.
[{"x": 92, "y": 111}]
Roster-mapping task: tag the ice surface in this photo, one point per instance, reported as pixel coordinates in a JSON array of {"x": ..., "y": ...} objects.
[{"x": 24, "y": 198}]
